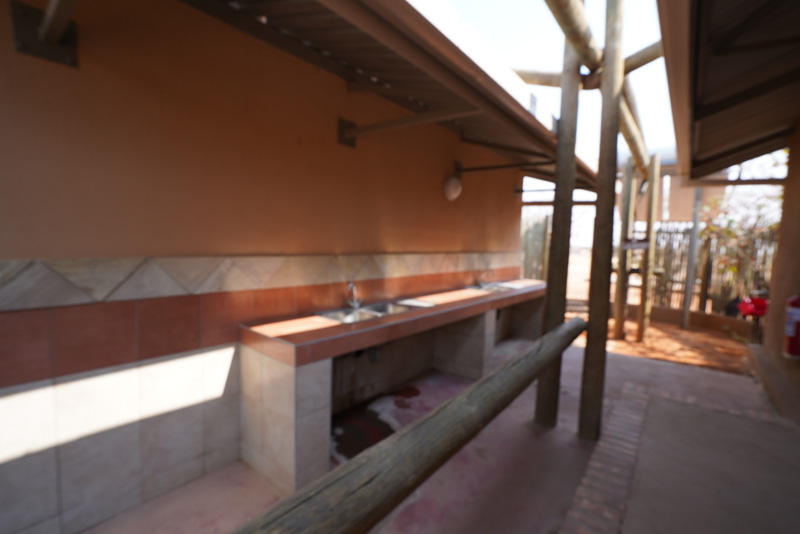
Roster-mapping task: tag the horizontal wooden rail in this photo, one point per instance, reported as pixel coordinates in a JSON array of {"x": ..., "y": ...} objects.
[{"x": 357, "y": 495}]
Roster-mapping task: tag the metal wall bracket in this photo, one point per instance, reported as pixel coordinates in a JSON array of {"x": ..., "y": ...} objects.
[
  {"x": 26, "y": 21},
  {"x": 343, "y": 139}
]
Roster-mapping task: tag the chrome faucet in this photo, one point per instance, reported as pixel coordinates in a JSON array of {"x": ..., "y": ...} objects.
[
  {"x": 354, "y": 302},
  {"x": 484, "y": 275}
]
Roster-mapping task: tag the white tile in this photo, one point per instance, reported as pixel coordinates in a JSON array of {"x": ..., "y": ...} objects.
[
  {"x": 392, "y": 265},
  {"x": 278, "y": 387},
  {"x": 10, "y": 268},
  {"x": 313, "y": 387},
  {"x": 172, "y": 383},
  {"x": 449, "y": 263},
  {"x": 299, "y": 270},
  {"x": 96, "y": 401},
  {"x": 259, "y": 269},
  {"x": 331, "y": 273},
  {"x": 313, "y": 446},
  {"x": 226, "y": 277},
  {"x": 38, "y": 286},
  {"x": 251, "y": 422},
  {"x": 221, "y": 422},
  {"x": 28, "y": 490},
  {"x": 100, "y": 477},
  {"x": 189, "y": 272},
  {"x": 250, "y": 379},
  {"x": 167, "y": 479},
  {"x": 96, "y": 276},
  {"x": 280, "y": 475},
  {"x": 221, "y": 371},
  {"x": 431, "y": 263},
  {"x": 278, "y": 437},
  {"x": 29, "y": 409},
  {"x": 351, "y": 264},
  {"x": 148, "y": 281},
  {"x": 219, "y": 458},
  {"x": 369, "y": 271},
  {"x": 171, "y": 439}
]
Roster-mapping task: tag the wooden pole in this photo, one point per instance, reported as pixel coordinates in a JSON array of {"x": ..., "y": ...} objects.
[
  {"x": 624, "y": 255},
  {"x": 691, "y": 264},
  {"x": 633, "y": 138},
  {"x": 594, "y": 360},
  {"x": 646, "y": 301},
  {"x": 643, "y": 57},
  {"x": 357, "y": 495},
  {"x": 570, "y": 17},
  {"x": 592, "y": 81},
  {"x": 549, "y": 386}
]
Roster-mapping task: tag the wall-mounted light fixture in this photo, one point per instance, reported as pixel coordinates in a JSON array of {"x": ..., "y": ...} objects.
[{"x": 453, "y": 187}]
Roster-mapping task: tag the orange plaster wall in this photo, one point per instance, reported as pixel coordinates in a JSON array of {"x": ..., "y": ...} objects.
[{"x": 178, "y": 135}]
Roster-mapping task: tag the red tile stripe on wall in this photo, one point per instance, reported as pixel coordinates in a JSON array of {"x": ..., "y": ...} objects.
[{"x": 51, "y": 342}]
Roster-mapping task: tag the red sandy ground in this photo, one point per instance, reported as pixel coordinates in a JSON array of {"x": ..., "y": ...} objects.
[
  {"x": 671, "y": 343},
  {"x": 662, "y": 341}
]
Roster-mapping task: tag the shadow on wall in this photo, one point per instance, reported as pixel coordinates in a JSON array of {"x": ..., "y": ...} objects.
[{"x": 80, "y": 449}]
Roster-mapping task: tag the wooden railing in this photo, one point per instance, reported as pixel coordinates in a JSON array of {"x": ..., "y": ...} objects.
[{"x": 357, "y": 495}]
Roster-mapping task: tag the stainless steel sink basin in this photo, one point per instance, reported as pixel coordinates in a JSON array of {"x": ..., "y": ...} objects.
[
  {"x": 388, "y": 308},
  {"x": 352, "y": 315},
  {"x": 495, "y": 287},
  {"x": 373, "y": 311}
]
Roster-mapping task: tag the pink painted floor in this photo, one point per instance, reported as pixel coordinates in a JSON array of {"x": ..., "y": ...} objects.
[{"x": 513, "y": 477}]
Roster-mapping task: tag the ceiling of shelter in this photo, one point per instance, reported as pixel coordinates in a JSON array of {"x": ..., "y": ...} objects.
[
  {"x": 743, "y": 78},
  {"x": 387, "y": 48}
]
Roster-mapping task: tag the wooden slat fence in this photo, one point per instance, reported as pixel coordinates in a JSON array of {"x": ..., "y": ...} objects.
[{"x": 727, "y": 268}]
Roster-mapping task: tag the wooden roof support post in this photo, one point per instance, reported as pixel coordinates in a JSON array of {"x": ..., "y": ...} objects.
[
  {"x": 646, "y": 300},
  {"x": 594, "y": 360},
  {"x": 548, "y": 389},
  {"x": 626, "y": 227}
]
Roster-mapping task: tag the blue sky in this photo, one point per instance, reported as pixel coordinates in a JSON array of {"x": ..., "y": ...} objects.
[{"x": 522, "y": 34}]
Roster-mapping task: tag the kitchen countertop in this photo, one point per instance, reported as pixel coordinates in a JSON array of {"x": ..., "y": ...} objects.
[{"x": 313, "y": 338}]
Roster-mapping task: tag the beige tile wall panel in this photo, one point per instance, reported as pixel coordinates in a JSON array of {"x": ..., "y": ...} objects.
[{"x": 35, "y": 284}]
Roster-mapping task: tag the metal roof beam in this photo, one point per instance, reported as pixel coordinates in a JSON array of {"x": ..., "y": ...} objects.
[
  {"x": 354, "y": 132},
  {"x": 403, "y": 92},
  {"x": 506, "y": 148},
  {"x": 56, "y": 20}
]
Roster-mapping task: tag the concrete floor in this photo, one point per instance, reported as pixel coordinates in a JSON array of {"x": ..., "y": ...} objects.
[
  {"x": 515, "y": 477},
  {"x": 723, "y": 472}
]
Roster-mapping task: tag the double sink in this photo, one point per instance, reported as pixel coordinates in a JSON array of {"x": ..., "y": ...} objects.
[{"x": 380, "y": 309}]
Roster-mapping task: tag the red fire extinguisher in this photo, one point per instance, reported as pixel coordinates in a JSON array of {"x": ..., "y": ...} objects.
[{"x": 792, "y": 346}]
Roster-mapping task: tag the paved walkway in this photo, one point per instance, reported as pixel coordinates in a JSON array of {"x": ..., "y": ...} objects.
[{"x": 684, "y": 449}]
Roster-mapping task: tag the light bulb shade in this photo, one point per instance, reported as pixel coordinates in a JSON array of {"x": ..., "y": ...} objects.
[{"x": 452, "y": 187}]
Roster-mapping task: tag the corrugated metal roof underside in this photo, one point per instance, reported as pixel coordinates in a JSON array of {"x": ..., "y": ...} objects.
[
  {"x": 746, "y": 87},
  {"x": 316, "y": 34}
]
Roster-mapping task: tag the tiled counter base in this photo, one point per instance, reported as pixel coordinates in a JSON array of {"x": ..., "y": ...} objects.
[
  {"x": 286, "y": 408},
  {"x": 286, "y": 419}
]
